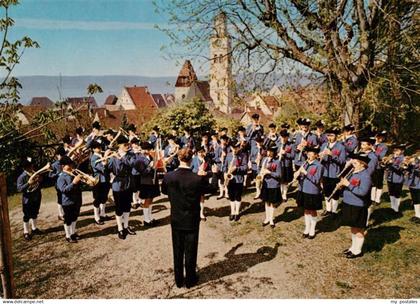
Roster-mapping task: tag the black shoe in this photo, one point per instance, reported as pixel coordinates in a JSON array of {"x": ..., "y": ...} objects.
[
  {"x": 121, "y": 235},
  {"x": 70, "y": 240},
  {"x": 265, "y": 224},
  {"x": 333, "y": 215},
  {"x": 150, "y": 224},
  {"x": 27, "y": 236},
  {"x": 305, "y": 236},
  {"x": 272, "y": 226},
  {"x": 130, "y": 231},
  {"x": 37, "y": 231},
  {"x": 136, "y": 206},
  {"x": 346, "y": 251},
  {"x": 203, "y": 219},
  {"x": 106, "y": 218},
  {"x": 311, "y": 237},
  {"x": 231, "y": 217},
  {"x": 236, "y": 217},
  {"x": 377, "y": 203},
  {"x": 75, "y": 237},
  {"x": 415, "y": 220},
  {"x": 351, "y": 255},
  {"x": 192, "y": 282},
  {"x": 99, "y": 223}
]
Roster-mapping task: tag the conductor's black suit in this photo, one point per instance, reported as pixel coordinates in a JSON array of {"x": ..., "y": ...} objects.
[{"x": 184, "y": 189}]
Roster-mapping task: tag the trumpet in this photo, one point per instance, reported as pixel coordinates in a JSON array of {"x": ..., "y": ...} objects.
[
  {"x": 34, "y": 180},
  {"x": 84, "y": 177},
  {"x": 409, "y": 159}
]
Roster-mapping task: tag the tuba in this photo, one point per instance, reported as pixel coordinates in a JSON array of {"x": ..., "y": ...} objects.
[{"x": 34, "y": 179}]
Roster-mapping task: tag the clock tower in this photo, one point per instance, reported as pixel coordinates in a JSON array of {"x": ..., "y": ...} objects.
[{"x": 221, "y": 65}]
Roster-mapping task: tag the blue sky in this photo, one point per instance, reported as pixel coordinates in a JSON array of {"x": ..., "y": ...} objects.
[{"x": 92, "y": 37}]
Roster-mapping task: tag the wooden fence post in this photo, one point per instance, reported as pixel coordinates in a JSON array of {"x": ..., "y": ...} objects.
[{"x": 6, "y": 258}]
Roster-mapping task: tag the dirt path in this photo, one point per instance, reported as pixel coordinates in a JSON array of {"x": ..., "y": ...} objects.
[{"x": 236, "y": 260}]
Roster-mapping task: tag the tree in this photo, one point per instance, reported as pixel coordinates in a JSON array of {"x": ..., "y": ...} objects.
[{"x": 344, "y": 41}]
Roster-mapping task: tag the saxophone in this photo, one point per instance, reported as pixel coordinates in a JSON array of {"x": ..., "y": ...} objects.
[
  {"x": 229, "y": 174},
  {"x": 260, "y": 177}
]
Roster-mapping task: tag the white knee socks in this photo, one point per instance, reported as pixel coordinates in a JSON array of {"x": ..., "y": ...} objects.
[
  {"x": 307, "y": 223},
  {"x": 369, "y": 213},
  {"x": 102, "y": 210},
  {"x": 353, "y": 236},
  {"x": 417, "y": 210},
  {"x": 33, "y": 223},
  {"x": 150, "y": 213},
  {"x": 334, "y": 204},
  {"x": 373, "y": 194},
  {"x": 378, "y": 195},
  {"x": 397, "y": 204},
  {"x": 73, "y": 228},
  {"x": 267, "y": 214},
  {"x": 283, "y": 189},
  {"x": 328, "y": 206},
  {"x": 60, "y": 210},
  {"x": 25, "y": 227},
  {"x": 358, "y": 244},
  {"x": 232, "y": 208},
  {"x": 96, "y": 214},
  {"x": 313, "y": 221},
  {"x": 125, "y": 216},
  {"x": 237, "y": 207},
  {"x": 271, "y": 214},
  {"x": 67, "y": 230},
  {"x": 119, "y": 222}
]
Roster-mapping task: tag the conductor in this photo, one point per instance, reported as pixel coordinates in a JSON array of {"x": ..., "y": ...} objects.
[{"x": 184, "y": 189}]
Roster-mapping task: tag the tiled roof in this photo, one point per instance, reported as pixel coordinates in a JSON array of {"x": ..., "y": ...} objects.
[
  {"x": 41, "y": 101},
  {"x": 78, "y": 101},
  {"x": 142, "y": 98},
  {"x": 169, "y": 98},
  {"x": 204, "y": 88},
  {"x": 111, "y": 100},
  {"x": 270, "y": 101},
  {"x": 186, "y": 76},
  {"x": 159, "y": 100}
]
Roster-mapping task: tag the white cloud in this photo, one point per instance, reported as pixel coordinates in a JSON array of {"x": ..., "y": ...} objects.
[{"x": 83, "y": 25}]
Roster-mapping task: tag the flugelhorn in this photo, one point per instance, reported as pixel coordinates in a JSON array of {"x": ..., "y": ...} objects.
[
  {"x": 34, "y": 180},
  {"x": 84, "y": 177}
]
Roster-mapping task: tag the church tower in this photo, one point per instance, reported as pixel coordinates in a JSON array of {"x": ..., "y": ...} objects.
[{"x": 221, "y": 90}]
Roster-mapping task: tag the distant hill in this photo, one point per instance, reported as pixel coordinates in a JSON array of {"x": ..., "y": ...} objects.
[
  {"x": 72, "y": 86},
  {"x": 75, "y": 86}
]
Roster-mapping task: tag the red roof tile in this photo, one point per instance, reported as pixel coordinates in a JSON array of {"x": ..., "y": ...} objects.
[
  {"x": 204, "y": 88},
  {"x": 111, "y": 100},
  {"x": 79, "y": 101},
  {"x": 41, "y": 101},
  {"x": 142, "y": 98},
  {"x": 186, "y": 76}
]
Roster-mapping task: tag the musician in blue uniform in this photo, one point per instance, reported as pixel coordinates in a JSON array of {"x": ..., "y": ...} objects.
[
  {"x": 270, "y": 171},
  {"x": 381, "y": 150},
  {"x": 79, "y": 136},
  {"x": 309, "y": 194},
  {"x": 321, "y": 136},
  {"x": 154, "y": 135},
  {"x": 69, "y": 185},
  {"x": 109, "y": 137},
  {"x": 131, "y": 129},
  {"x": 187, "y": 141},
  {"x": 395, "y": 176},
  {"x": 53, "y": 175},
  {"x": 149, "y": 188},
  {"x": 121, "y": 165},
  {"x": 284, "y": 126},
  {"x": 286, "y": 155},
  {"x": 304, "y": 138},
  {"x": 333, "y": 158},
  {"x": 135, "y": 174},
  {"x": 253, "y": 131},
  {"x": 350, "y": 141},
  {"x": 31, "y": 198},
  {"x": 356, "y": 198},
  {"x": 101, "y": 189},
  {"x": 170, "y": 154},
  {"x": 235, "y": 167},
  {"x": 271, "y": 139},
  {"x": 201, "y": 166},
  {"x": 219, "y": 158},
  {"x": 413, "y": 183}
]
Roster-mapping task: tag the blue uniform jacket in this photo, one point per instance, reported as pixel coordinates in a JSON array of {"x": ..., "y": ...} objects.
[
  {"x": 358, "y": 192},
  {"x": 380, "y": 150},
  {"x": 22, "y": 186},
  {"x": 310, "y": 183},
  {"x": 241, "y": 166},
  {"x": 322, "y": 139},
  {"x": 121, "y": 168},
  {"x": 174, "y": 163},
  {"x": 350, "y": 143},
  {"x": 272, "y": 180},
  {"x": 55, "y": 172},
  {"x": 99, "y": 169},
  {"x": 71, "y": 193},
  {"x": 187, "y": 142},
  {"x": 147, "y": 172},
  {"x": 373, "y": 162},
  {"x": 252, "y": 135},
  {"x": 289, "y": 154},
  {"x": 333, "y": 164},
  {"x": 196, "y": 163},
  {"x": 413, "y": 176},
  {"x": 311, "y": 142},
  {"x": 395, "y": 171}
]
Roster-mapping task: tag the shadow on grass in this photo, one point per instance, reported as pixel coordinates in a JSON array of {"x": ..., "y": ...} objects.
[
  {"x": 289, "y": 214},
  {"x": 378, "y": 237},
  {"x": 236, "y": 263}
]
